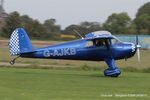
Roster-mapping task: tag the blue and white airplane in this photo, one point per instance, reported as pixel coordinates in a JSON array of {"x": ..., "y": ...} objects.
[{"x": 96, "y": 46}]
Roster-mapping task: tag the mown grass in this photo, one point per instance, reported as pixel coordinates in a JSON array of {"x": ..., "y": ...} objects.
[
  {"x": 41, "y": 84},
  {"x": 71, "y": 80},
  {"x": 83, "y": 67}
]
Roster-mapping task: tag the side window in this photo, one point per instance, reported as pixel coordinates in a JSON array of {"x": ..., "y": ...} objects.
[
  {"x": 100, "y": 42},
  {"x": 89, "y": 44}
]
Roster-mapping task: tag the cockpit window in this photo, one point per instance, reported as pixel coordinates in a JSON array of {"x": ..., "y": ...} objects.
[
  {"x": 100, "y": 42},
  {"x": 89, "y": 44},
  {"x": 115, "y": 41}
]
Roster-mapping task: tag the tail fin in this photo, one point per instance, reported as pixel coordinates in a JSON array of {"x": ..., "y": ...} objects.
[{"x": 19, "y": 42}]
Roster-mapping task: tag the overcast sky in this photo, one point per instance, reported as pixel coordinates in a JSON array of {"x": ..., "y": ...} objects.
[{"x": 68, "y": 12}]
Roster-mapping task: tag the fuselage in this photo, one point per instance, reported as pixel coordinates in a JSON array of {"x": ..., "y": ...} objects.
[
  {"x": 84, "y": 49},
  {"x": 96, "y": 46}
]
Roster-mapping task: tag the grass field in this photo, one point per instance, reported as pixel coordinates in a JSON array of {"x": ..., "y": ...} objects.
[
  {"x": 42, "y": 84},
  {"x": 81, "y": 82}
]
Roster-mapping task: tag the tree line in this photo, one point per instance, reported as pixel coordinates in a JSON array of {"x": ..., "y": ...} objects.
[{"x": 116, "y": 23}]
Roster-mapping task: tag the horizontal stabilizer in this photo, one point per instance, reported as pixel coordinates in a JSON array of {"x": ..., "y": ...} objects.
[{"x": 26, "y": 51}]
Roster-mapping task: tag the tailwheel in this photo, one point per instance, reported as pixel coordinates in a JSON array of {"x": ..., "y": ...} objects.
[{"x": 12, "y": 62}]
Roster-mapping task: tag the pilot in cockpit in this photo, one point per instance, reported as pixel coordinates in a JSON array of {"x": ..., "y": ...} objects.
[{"x": 100, "y": 42}]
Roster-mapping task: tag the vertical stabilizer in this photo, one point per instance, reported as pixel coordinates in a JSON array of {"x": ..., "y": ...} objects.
[{"x": 19, "y": 42}]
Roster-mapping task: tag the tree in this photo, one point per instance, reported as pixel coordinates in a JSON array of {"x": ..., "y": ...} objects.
[
  {"x": 51, "y": 26},
  {"x": 12, "y": 22},
  {"x": 34, "y": 28},
  {"x": 143, "y": 23},
  {"x": 27, "y": 23},
  {"x": 142, "y": 20},
  {"x": 38, "y": 31},
  {"x": 117, "y": 23},
  {"x": 70, "y": 30},
  {"x": 83, "y": 28},
  {"x": 88, "y": 27},
  {"x": 145, "y": 9}
]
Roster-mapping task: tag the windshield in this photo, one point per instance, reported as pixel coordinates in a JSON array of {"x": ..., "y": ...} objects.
[{"x": 115, "y": 40}]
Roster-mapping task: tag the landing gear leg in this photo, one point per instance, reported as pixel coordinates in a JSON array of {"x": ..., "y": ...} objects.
[
  {"x": 112, "y": 71},
  {"x": 13, "y": 60}
]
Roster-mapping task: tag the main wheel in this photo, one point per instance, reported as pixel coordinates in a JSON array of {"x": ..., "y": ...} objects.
[
  {"x": 112, "y": 72},
  {"x": 116, "y": 75}
]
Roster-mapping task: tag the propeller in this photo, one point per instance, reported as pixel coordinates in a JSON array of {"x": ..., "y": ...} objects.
[{"x": 138, "y": 47}]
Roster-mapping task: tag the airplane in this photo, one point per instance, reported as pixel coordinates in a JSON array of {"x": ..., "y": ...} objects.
[{"x": 96, "y": 46}]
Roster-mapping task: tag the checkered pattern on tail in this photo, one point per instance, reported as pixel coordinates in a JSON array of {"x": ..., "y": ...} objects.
[{"x": 14, "y": 43}]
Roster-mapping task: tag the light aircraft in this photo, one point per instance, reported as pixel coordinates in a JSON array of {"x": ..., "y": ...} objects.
[{"x": 96, "y": 46}]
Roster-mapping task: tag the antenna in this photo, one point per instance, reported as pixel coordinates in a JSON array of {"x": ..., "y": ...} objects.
[{"x": 78, "y": 33}]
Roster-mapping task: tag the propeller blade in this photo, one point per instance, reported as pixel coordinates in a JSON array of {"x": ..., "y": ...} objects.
[
  {"x": 138, "y": 52},
  {"x": 138, "y": 47}
]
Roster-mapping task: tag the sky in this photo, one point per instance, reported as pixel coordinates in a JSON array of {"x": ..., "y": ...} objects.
[{"x": 67, "y": 12}]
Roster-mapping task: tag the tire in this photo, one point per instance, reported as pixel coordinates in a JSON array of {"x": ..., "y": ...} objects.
[
  {"x": 112, "y": 72},
  {"x": 114, "y": 75},
  {"x": 12, "y": 62}
]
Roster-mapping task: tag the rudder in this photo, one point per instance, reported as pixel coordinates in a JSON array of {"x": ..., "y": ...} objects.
[{"x": 19, "y": 42}]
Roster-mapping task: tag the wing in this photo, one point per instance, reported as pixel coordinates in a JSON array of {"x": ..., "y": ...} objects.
[{"x": 98, "y": 35}]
